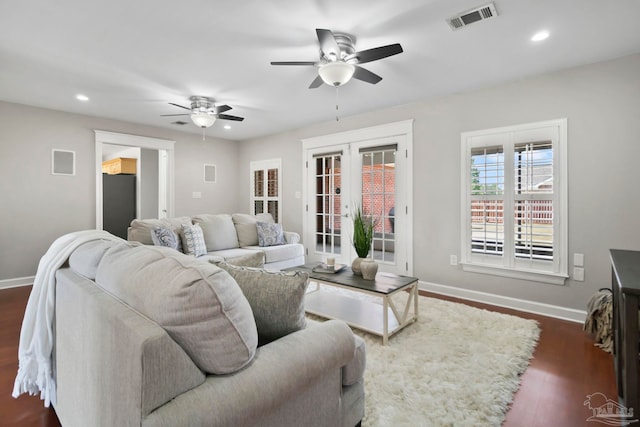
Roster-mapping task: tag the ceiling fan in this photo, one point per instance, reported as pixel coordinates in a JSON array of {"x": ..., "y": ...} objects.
[
  {"x": 204, "y": 112},
  {"x": 339, "y": 60}
]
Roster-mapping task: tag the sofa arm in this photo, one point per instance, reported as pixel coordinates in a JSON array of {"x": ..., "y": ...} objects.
[
  {"x": 354, "y": 370},
  {"x": 291, "y": 237},
  {"x": 280, "y": 371}
]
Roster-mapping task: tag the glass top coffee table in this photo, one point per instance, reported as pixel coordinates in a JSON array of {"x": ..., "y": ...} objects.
[{"x": 379, "y": 319}]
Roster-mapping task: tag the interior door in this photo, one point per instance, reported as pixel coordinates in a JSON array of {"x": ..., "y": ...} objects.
[{"x": 328, "y": 205}]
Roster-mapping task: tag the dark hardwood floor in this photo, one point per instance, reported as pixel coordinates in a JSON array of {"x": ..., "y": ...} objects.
[{"x": 566, "y": 368}]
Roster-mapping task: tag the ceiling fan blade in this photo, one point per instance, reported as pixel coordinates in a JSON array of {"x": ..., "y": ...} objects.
[
  {"x": 228, "y": 117},
  {"x": 169, "y": 115},
  {"x": 176, "y": 105},
  {"x": 366, "y": 75},
  {"x": 376, "y": 53},
  {"x": 221, "y": 108},
  {"x": 317, "y": 82},
  {"x": 328, "y": 44},
  {"x": 293, "y": 63}
]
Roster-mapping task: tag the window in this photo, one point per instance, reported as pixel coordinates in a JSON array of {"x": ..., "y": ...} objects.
[
  {"x": 266, "y": 188},
  {"x": 514, "y": 201}
]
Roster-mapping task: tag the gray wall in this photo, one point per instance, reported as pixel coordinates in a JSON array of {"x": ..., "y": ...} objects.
[
  {"x": 602, "y": 105},
  {"x": 37, "y": 207}
]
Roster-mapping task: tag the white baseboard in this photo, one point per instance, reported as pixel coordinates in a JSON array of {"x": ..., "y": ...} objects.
[
  {"x": 18, "y": 281},
  {"x": 558, "y": 312}
]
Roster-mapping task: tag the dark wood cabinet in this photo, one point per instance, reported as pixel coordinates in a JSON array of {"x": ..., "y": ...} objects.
[{"x": 626, "y": 303}]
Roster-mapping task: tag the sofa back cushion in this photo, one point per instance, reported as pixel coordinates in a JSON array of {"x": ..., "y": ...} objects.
[
  {"x": 246, "y": 227},
  {"x": 141, "y": 229},
  {"x": 219, "y": 232},
  {"x": 199, "y": 305},
  {"x": 86, "y": 258}
]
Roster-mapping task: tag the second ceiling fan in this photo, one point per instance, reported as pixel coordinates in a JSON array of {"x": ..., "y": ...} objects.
[{"x": 339, "y": 60}]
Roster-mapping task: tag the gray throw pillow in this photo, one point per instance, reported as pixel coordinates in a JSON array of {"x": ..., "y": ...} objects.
[
  {"x": 276, "y": 299},
  {"x": 269, "y": 234}
]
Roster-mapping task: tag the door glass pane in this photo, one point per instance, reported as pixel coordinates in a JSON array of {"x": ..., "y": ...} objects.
[
  {"x": 328, "y": 208},
  {"x": 272, "y": 182},
  {"x": 378, "y": 199},
  {"x": 258, "y": 183}
]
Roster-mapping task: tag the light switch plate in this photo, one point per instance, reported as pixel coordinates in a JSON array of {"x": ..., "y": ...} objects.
[
  {"x": 578, "y": 260},
  {"x": 578, "y": 274}
]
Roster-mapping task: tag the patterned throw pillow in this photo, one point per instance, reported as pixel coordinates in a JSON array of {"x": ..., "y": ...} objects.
[
  {"x": 269, "y": 234},
  {"x": 165, "y": 237},
  {"x": 193, "y": 240}
]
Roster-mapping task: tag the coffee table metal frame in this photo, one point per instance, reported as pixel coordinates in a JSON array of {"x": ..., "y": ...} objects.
[{"x": 383, "y": 320}]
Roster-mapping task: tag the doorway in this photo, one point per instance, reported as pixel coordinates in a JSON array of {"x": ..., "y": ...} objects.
[
  {"x": 157, "y": 158},
  {"x": 369, "y": 169}
]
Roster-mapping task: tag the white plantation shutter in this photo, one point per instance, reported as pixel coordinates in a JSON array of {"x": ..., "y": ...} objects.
[{"x": 513, "y": 208}]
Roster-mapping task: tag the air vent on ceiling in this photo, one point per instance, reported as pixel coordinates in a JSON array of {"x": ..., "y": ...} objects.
[
  {"x": 179, "y": 123},
  {"x": 474, "y": 15}
]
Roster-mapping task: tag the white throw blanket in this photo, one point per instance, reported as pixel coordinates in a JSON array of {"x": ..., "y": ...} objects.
[{"x": 35, "y": 368}]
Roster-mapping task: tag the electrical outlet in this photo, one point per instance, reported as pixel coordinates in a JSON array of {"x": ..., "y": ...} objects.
[
  {"x": 453, "y": 260},
  {"x": 578, "y": 274}
]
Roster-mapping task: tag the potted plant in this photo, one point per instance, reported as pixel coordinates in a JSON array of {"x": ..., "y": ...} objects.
[{"x": 363, "y": 227}]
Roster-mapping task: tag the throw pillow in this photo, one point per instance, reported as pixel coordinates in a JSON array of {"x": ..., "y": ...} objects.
[
  {"x": 193, "y": 240},
  {"x": 165, "y": 237},
  {"x": 269, "y": 234},
  {"x": 276, "y": 299}
]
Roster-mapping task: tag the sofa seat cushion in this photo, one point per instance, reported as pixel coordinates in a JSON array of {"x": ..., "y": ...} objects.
[
  {"x": 246, "y": 227},
  {"x": 234, "y": 253},
  {"x": 219, "y": 232},
  {"x": 141, "y": 229},
  {"x": 280, "y": 252},
  {"x": 276, "y": 298},
  {"x": 199, "y": 305}
]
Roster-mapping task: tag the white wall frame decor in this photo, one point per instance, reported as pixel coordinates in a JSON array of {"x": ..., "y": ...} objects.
[
  {"x": 63, "y": 162},
  {"x": 209, "y": 173}
]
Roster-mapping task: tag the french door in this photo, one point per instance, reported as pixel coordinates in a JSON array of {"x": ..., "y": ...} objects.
[{"x": 369, "y": 174}]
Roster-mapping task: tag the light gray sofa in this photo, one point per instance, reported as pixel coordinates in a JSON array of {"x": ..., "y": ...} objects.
[
  {"x": 228, "y": 237},
  {"x": 138, "y": 327}
]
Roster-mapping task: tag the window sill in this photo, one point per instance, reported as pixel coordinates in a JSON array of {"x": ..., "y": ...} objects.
[{"x": 533, "y": 275}]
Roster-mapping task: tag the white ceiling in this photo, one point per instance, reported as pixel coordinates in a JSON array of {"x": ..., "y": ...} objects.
[{"x": 134, "y": 57}]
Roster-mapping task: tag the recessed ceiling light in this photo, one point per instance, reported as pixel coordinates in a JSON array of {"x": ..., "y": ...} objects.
[
  {"x": 81, "y": 97},
  {"x": 227, "y": 127},
  {"x": 540, "y": 35}
]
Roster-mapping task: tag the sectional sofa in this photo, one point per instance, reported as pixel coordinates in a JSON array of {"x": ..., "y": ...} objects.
[
  {"x": 148, "y": 336},
  {"x": 230, "y": 238}
]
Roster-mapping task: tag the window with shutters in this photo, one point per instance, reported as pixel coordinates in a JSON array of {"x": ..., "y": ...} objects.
[
  {"x": 266, "y": 188},
  {"x": 514, "y": 201}
]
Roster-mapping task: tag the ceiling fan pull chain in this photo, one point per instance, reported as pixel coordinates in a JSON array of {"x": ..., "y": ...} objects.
[
  {"x": 337, "y": 118},
  {"x": 203, "y": 134}
]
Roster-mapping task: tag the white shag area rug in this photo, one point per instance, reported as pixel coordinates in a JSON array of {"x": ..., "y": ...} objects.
[{"x": 457, "y": 366}]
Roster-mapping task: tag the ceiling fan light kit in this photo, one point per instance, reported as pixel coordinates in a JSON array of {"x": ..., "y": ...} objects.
[
  {"x": 203, "y": 119},
  {"x": 336, "y": 73}
]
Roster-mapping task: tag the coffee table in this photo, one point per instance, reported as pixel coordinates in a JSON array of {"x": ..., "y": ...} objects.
[{"x": 379, "y": 319}]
